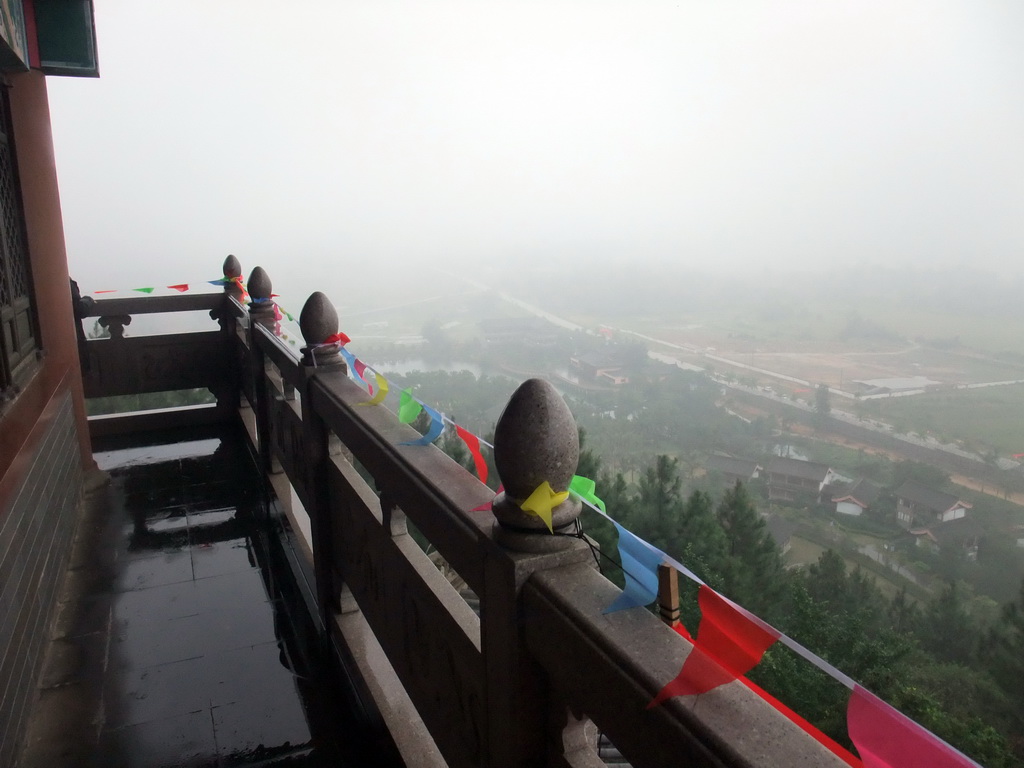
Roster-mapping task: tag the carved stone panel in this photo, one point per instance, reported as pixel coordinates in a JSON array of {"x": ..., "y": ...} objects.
[{"x": 437, "y": 661}]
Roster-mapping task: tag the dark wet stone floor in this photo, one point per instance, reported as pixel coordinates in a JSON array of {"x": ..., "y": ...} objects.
[{"x": 192, "y": 619}]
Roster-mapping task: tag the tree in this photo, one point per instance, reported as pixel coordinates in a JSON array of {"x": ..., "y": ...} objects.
[
  {"x": 902, "y": 614},
  {"x": 1004, "y": 653},
  {"x": 946, "y": 629},
  {"x": 754, "y": 573},
  {"x": 822, "y": 402},
  {"x": 926, "y": 474},
  {"x": 659, "y": 504},
  {"x": 700, "y": 538},
  {"x": 589, "y": 464}
]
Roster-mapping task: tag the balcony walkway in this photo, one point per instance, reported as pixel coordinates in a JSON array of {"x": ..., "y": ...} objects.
[{"x": 181, "y": 637}]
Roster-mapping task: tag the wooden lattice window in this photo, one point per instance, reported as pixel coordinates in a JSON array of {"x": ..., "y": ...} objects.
[{"x": 19, "y": 337}]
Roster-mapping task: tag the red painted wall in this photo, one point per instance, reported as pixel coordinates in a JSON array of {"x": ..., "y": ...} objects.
[{"x": 23, "y": 422}]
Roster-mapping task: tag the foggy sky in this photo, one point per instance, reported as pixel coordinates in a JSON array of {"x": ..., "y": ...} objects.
[{"x": 332, "y": 138}]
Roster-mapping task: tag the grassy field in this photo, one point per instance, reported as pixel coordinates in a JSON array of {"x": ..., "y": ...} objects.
[{"x": 982, "y": 417}]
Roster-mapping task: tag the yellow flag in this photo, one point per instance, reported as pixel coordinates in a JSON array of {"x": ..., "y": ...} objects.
[{"x": 542, "y": 501}]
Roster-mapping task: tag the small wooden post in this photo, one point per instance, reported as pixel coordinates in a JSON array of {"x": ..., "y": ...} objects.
[{"x": 668, "y": 595}]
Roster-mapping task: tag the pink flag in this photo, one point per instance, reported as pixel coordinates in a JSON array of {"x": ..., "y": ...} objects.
[{"x": 886, "y": 738}]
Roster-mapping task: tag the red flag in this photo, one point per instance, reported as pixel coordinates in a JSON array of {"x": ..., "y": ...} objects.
[
  {"x": 729, "y": 644},
  {"x": 683, "y": 632},
  {"x": 488, "y": 505},
  {"x": 473, "y": 443},
  {"x": 885, "y": 737},
  {"x": 179, "y": 288},
  {"x": 111, "y": 290},
  {"x": 830, "y": 744},
  {"x": 337, "y": 338}
]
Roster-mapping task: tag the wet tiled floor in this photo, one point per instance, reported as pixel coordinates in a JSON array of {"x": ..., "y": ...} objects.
[{"x": 205, "y": 661}]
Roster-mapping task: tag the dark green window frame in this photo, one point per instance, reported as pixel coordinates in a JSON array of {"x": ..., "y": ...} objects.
[{"x": 19, "y": 329}]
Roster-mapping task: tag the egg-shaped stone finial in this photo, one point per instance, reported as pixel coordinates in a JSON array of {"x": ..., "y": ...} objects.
[
  {"x": 260, "y": 289},
  {"x": 232, "y": 268},
  {"x": 260, "y": 286},
  {"x": 535, "y": 441},
  {"x": 319, "y": 322}
]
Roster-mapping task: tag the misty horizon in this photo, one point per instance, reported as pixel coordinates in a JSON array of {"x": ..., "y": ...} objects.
[{"x": 369, "y": 139}]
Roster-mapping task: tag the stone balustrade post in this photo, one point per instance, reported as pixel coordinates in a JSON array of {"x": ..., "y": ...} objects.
[
  {"x": 261, "y": 312},
  {"x": 536, "y": 441},
  {"x": 318, "y": 322}
]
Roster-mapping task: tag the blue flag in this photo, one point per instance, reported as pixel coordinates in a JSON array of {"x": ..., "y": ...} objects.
[
  {"x": 436, "y": 428},
  {"x": 640, "y": 563}
]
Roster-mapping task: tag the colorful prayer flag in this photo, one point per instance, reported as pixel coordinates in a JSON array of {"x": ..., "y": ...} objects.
[
  {"x": 729, "y": 644},
  {"x": 640, "y": 563},
  {"x": 886, "y": 738},
  {"x": 542, "y": 501},
  {"x": 585, "y": 488},
  {"x": 473, "y": 443},
  {"x": 408, "y": 407},
  {"x": 337, "y": 338},
  {"x": 382, "y": 391},
  {"x": 436, "y": 428}
]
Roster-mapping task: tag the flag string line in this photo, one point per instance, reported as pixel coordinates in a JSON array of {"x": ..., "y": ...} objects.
[
  {"x": 782, "y": 637},
  {"x": 785, "y": 639}
]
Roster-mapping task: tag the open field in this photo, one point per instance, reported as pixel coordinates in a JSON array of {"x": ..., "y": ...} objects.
[
  {"x": 835, "y": 362},
  {"x": 984, "y": 417}
]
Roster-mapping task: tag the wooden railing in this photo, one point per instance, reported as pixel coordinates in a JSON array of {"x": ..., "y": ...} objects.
[
  {"x": 533, "y": 677},
  {"x": 143, "y": 364}
]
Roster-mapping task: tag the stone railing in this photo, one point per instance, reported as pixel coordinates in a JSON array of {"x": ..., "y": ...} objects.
[{"x": 532, "y": 676}]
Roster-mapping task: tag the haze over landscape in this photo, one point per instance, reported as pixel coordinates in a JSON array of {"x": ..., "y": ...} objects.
[
  {"x": 347, "y": 139},
  {"x": 737, "y": 238}
]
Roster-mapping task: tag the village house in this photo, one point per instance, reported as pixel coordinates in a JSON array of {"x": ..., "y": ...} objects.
[
  {"x": 962, "y": 533},
  {"x": 606, "y": 369},
  {"x": 857, "y": 499},
  {"x": 733, "y": 470},
  {"x": 794, "y": 479},
  {"x": 781, "y": 531},
  {"x": 918, "y": 506}
]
